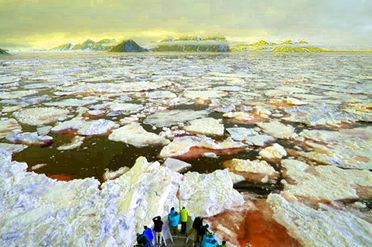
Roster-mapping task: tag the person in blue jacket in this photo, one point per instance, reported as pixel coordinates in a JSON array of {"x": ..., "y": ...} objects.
[
  {"x": 174, "y": 219},
  {"x": 209, "y": 240},
  {"x": 147, "y": 232}
]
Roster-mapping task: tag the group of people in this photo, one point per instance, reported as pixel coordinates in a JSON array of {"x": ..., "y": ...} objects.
[{"x": 200, "y": 233}]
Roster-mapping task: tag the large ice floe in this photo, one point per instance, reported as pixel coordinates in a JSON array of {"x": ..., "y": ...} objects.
[
  {"x": 325, "y": 226},
  {"x": 7, "y": 126},
  {"x": 182, "y": 146},
  {"x": 348, "y": 148},
  {"x": 37, "y": 210},
  {"x": 277, "y": 129},
  {"x": 173, "y": 117},
  {"x": 137, "y": 136},
  {"x": 319, "y": 114},
  {"x": 41, "y": 115},
  {"x": 325, "y": 183},
  {"x": 252, "y": 170},
  {"x": 206, "y": 126}
]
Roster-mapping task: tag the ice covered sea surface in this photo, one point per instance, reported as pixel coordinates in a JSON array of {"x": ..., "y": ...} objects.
[{"x": 66, "y": 123}]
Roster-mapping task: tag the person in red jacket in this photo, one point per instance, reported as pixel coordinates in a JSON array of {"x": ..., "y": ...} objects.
[{"x": 158, "y": 226}]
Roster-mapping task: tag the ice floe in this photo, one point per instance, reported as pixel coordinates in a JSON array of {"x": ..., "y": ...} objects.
[
  {"x": 277, "y": 129},
  {"x": 29, "y": 138},
  {"x": 347, "y": 148},
  {"x": 97, "y": 127},
  {"x": 205, "y": 194},
  {"x": 8, "y": 125},
  {"x": 176, "y": 165},
  {"x": 252, "y": 170},
  {"x": 76, "y": 142},
  {"x": 319, "y": 114},
  {"x": 181, "y": 146},
  {"x": 137, "y": 136},
  {"x": 41, "y": 115},
  {"x": 325, "y": 182},
  {"x": 173, "y": 117},
  {"x": 206, "y": 126},
  {"x": 320, "y": 227},
  {"x": 273, "y": 153},
  {"x": 249, "y": 136}
]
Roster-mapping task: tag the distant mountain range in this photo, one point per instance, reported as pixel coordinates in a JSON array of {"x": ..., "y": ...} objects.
[
  {"x": 90, "y": 45},
  {"x": 285, "y": 46},
  {"x": 198, "y": 44}
]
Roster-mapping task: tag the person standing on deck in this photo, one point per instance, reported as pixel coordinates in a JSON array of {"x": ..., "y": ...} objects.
[
  {"x": 174, "y": 219},
  {"x": 184, "y": 218},
  {"x": 147, "y": 232},
  {"x": 158, "y": 227}
]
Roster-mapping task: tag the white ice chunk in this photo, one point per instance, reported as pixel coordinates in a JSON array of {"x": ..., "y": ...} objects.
[
  {"x": 137, "y": 136},
  {"x": 41, "y": 115},
  {"x": 206, "y": 126}
]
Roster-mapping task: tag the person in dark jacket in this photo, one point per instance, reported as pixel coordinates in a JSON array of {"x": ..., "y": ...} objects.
[
  {"x": 203, "y": 230},
  {"x": 158, "y": 227},
  {"x": 142, "y": 240},
  {"x": 223, "y": 244},
  {"x": 196, "y": 225},
  {"x": 147, "y": 232}
]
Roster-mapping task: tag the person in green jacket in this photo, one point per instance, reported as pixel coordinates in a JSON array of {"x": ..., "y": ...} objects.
[{"x": 184, "y": 218}]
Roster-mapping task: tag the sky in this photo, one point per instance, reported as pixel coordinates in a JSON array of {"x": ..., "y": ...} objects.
[{"x": 48, "y": 23}]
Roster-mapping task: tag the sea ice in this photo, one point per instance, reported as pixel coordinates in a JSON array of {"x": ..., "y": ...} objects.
[
  {"x": 76, "y": 142},
  {"x": 206, "y": 126},
  {"x": 29, "y": 138},
  {"x": 173, "y": 117},
  {"x": 182, "y": 145},
  {"x": 326, "y": 226},
  {"x": 176, "y": 165},
  {"x": 252, "y": 170},
  {"x": 137, "y": 136},
  {"x": 347, "y": 148},
  {"x": 325, "y": 182},
  {"x": 249, "y": 136},
  {"x": 8, "y": 125},
  {"x": 41, "y": 115},
  {"x": 276, "y": 129},
  {"x": 273, "y": 153},
  {"x": 97, "y": 127}
]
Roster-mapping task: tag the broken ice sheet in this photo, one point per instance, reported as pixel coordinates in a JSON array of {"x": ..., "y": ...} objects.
[
  {"x": 173, "y": 117},
  {"x": 29, "y": 138},
  {"x": 71, "y": 102},
  {"x": 41, "y": 115},
  {"x": 16, "y": 94},
  {"x": 252, "y": 170},
  {"x": 244, "y": 117},
  {"x": 76, "y": 142},
  {"x": 176, "y": 165},
  {"x": 347, "y": 148},
  {"x": 8, "y": 125},
  {"x": 97, "y": 127},
  {"x": 277, "y": 129},
  {"x": 137, "y": 136},
  {"x": 206, "y": 126},
  {"x": 325, "y": 226},
  {"x": 273, "y": 153},
  {"x": 249, "y": 136},
  {"x": 318, "y": 114},
  {"x": 325, "y": 182},
  {"x": 192, "y": 146}
]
